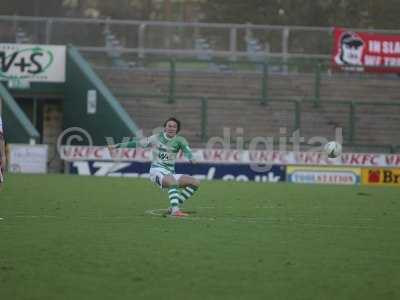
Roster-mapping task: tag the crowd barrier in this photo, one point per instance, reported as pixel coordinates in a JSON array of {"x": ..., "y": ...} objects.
[{"x": 371, "y": 169}]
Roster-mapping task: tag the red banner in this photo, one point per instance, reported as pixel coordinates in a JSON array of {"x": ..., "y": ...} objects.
[{"x": 366, "y": 52}]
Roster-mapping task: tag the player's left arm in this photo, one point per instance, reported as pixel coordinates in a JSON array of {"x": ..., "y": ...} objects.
[{"x": 187, "y": 151}]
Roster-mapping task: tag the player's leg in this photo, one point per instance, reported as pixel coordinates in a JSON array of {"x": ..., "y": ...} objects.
[
  {"x": 189, "y": 186},
  {"x": 169, "y": 182},
  {"x": 164, "y": 179}
]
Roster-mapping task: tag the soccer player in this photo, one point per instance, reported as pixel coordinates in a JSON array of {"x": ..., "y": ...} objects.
[
  {"x": 2, "y": 155},
  {"x": 166, "y": 145}
]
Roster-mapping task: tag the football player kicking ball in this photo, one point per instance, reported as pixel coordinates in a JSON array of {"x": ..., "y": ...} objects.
[{"x": 166, "y": 145}]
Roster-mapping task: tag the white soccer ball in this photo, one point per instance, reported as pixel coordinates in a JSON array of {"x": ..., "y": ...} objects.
[{"x": 333, "y": 149}]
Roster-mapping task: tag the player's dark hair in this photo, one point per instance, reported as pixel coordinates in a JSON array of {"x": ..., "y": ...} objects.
[{"x": 178, "y": 123}]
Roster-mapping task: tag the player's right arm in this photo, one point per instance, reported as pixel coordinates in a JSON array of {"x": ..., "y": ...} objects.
[{"x": 136, "y": 143}]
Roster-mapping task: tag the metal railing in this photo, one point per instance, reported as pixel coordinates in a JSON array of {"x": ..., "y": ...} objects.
[
  {"x": 313, "y": 75},
  {"x": 232, "y": 41},
  {"x": 170, "y": 76},
  {"x": 351, "y": 135},
  {"x": 351, "y": 138}
]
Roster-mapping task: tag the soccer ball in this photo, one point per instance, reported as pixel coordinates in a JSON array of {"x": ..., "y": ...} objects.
[{"x": 333, "y": 149}]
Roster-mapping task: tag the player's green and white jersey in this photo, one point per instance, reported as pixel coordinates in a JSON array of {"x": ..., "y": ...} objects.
[{"x": 165, "y": 149}]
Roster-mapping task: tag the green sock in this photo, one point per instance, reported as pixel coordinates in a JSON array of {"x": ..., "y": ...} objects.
[
  {"x": 187, "y": 192},
  {"x": 173, "y": 195}
]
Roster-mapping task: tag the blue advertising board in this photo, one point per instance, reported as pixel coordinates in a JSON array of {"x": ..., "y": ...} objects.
[{"x": 234, "y": 172}]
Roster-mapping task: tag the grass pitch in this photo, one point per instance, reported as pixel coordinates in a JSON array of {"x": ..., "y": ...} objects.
[{"x": 66, "y": 237}]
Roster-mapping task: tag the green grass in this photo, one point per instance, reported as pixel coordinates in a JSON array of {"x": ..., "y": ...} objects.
[{"x": 66, "y": 237}]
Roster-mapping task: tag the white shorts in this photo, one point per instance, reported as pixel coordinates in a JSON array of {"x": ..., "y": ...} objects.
[{"x": 157, "y": 175}]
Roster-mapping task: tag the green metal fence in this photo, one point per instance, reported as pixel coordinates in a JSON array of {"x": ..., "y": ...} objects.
[
  {"x": 350, "y": 139},
  {"x": 297, "y": 109},
  {"x": 316, "y": 70}
]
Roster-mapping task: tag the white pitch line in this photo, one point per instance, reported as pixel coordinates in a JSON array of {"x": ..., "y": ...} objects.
[
  {"x": 205, "y": 207},
  {"x": 238, "y": 219},
  {"x": 33, "y": 217},
  {"x": 154, "y": 212},
  {"x": 272, "y": 221}
]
